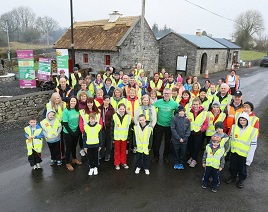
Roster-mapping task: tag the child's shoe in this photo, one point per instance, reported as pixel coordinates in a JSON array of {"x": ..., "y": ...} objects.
[
  {"x": 38, "y": 166},
  {"x": 34, "y": 167},
  {"x": 189, "y": 161},
  {"x": 125, "y": 166},
  {"x": 204, "y": 185},
  {"x": 82, "y": 153},
  {"x": 59, "y": 163},
  {"x": 240, "y": 184},
  {"x": 181, "y": 167},
  {"x": 137, "y": 171},
  {"x": 90, "y": 173},
  {"x": 214, "y": 190},
  {"x": 95, "y": 171},
  {"x": 52, "y": 162},
  {"x": 147, "y": 172},
  {"x": 176, "y": 166},
  {"x": 193, "y": 164},
  {"x": 117, "y": 167}
]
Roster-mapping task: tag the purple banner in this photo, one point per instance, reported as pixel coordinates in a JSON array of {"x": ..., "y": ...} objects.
[
  {"x": 27, "y": 83},
  {"x": 25, "y": 54}
]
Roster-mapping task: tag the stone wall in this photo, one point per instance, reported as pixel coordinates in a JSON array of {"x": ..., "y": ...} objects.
[{"x": 22, "y": 107}]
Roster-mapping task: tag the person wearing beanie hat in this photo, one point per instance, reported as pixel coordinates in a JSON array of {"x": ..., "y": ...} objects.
[
  {"x": 204, "y": 100},
  {"x": 225, "y": 140},
  {"x": 233, "y": 81},
  {"x": 74, "y": 77},
  {"x": 243, "y": 145},
  {"x": 107, "y": 74},
  {"x": 213, "y": 162},
  {"x": 179, "y": 85},
  {"x": 180, "y": 129},
  {"x": 156, "y": 84}
]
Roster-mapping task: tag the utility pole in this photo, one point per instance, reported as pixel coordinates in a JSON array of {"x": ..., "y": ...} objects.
[
  {"x": 72, "y": 33},
  {"x": 142, "y": 32},
  {"x": 8, "y": 52}
]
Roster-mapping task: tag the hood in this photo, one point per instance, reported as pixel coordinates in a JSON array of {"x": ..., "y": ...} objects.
[
  {"x": 242, "y": 115},
  {"x": 48, "y": 111}
]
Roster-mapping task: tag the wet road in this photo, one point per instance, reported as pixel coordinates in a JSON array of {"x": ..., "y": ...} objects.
[{"x": 165, "y": 189}]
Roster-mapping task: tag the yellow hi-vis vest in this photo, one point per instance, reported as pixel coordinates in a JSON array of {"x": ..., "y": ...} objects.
[
  {"x": 240, "y": 144},
  {"x": 115, "y": 104},
  {"x": 137, "y": 72},
  {"x": 214, "y": 160},
  {"x": 197, "y": 123},
  {"x": 177, "y": 99},
  {"x": 91, "y": 88},
  {"x": 222, "y": 143},
  {"x": 142, "y": 138},
  {"x": 121, "y": 129},
  {"x": 74, "y": 79},
  {"x": 35, "y": 144},
  {"x": 58, "y": 114},
  {"x": 224, "y": 102},
  {"x": 205, "y": 105},
  {"x": 158, "y": 85},
  {"x": 130, "y": 109},
  {"x": 50, "y": 130},
  {"x": 92, "y": 134},
  {"x": 211, "y": 127},
  {"x": 85, "y": 116},
  {"x": 170, "y": 86}
]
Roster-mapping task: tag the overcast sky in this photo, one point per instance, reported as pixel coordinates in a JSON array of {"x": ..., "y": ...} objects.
[{"x": 179, "y": 15}]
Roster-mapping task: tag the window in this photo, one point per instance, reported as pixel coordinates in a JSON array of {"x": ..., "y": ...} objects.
[
  {"x": 85, "y": 58},
  {"x": 107, "y": 60},
  {"x": 216, "y": 58}
]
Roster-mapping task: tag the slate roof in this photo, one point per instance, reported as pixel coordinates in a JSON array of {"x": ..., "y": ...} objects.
[
  {"x": 227, "y": 43},
  {"x": 97, "y": 35}
]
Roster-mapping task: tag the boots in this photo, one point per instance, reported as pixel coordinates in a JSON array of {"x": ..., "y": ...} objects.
[
  {"x": 75, "y": 161},
  {"x": 69, "y": 167}
]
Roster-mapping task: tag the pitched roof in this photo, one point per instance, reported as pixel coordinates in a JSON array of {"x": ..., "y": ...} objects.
[
  {"x": 227, "y": 43},
  {"x": 97, "y": 35},
  {"x": 203, "y": 42}
]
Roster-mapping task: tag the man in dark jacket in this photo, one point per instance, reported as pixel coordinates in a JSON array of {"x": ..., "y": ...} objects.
[
  {"x": 108, "y": 89},
  {"x": 64, "y": 90}
]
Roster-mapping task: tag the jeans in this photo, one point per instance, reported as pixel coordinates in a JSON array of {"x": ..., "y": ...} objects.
[
  {"x": 180, "y": 153},
  {"x": 141, "y": 157},
  {"x": 214, "y": 173}
]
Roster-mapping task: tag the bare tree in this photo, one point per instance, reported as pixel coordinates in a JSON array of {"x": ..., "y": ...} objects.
[{"x": 247, "y": 25}]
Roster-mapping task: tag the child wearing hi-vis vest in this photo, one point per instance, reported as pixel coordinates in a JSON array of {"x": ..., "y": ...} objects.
[
  {"x": 52, "y": 131},
  {"x": 92, "y": 140},
  {"x": 34, "y": 142},
  {"x": 142, "y": 143},
  {"x": 213, "y": 162},
  {"x": 120, "y": 127}
]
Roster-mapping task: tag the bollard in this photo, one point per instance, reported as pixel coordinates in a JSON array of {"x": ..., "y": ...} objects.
[
  {"x": 249, "y": 64},
  {"x": 206, "y": 74}
]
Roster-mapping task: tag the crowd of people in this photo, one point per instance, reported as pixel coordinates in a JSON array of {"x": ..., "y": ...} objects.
[{"x": 131, "y": 113}]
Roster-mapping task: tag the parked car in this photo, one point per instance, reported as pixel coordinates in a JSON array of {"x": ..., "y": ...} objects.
[{"x": 264, "y": 61}]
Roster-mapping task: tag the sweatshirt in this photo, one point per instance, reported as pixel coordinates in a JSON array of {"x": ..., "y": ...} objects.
[{"x": 180, "y": 128}]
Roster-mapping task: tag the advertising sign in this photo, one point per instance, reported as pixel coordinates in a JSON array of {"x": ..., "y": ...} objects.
[
  {"x": 62, "y": 61},
  {"x": 44, "y": 69}
]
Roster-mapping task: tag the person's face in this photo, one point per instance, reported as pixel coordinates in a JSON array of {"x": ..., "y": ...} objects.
[
  {"x": 220, "y": 81},
  {"x": 108, "y": 72},
  {"x": 174, "y": 93},
  {"x": 224, "y": 90},
  {"x": 171, "y": 79},
  {"x": 76, "y": 72},
  {"x": 111, "y": 69},
  {"x": 84, "y": 87},
  {"x": 63, "y": 82},
  {"x": 138, "y": 66},
  {"x": 202, "y": 95},
  {"x": 153, "y": 95},
  {"x": 243, "y": 122},
  {"x": 237, "y": 99},
  {"x": 98, "y": 77},
  {"x": 166, "y": 94},
  {"x": 246, "y": 109},
  {"x": 163, "y": 70},
  {"x": 106, "y": 102},
  {"x": 51, "y": 115},
  {"x": 90, "y": 105},
  {"x": 207, "y": 83},
  {"x": 195, "y": 87},
  {"x": 189, "y": 81},
  {"x": 215, "y": 143},
  {"x": 57, "y": 99},
  {"x": 166, "y": 75},
  {"x": 232, "y": 73},
  {"x": 83, "y": 98},
  {"x": 142, "y": 74},
  {"x": 194, "y": 79},
  {"x": 92, "y": 120},
  {"x": 196, "y": 105},
  {"x": 142, "y": 121},
  {"x": 108, "y": 83},
  {"x": 73, "y": 103},
  {"x": 88, "y": 80},
  {"x": 32, "y": 123},
  {"x": 99, "y": 94},
  {"x": 219, "y": 130},
  {"x": 121, "y": 109},
  {"x": 62, "y": 74},
  {"x": 80, "y": 82},
  {"x": 181, "y": 113},
  {"x": 125, "y": 79},
  {"x": 116, "y": 76},
  {"x": 117, "y": 94},
  {"x": 185, "y": 96},
  {"x": 132, "y": 94},
  {"x": 145, "y": 101},
  {"x": 179, "y": 84},
  {"x": 216, "y": 109},
  {"x": 131, "y": 81},
  {"x": 213, "y": 88},
  {"x": 156, "y": 77},
  {"x": 121, "y": 73}
]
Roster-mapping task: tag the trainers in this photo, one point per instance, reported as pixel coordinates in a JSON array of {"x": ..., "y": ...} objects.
[
  {"x": 117, "y": 167},
  {"x": 38, "y": 166},
  {"x": 214, "y": 190},
  {"x": 125, "y": 166},
  {"x": 193, "y": 164},
  {"x": 59, "y": 163},
  {"x": 52, "y": 162},
  {"x": 77, "y": 162},
  {"x": 69, "y": 167},
  {"x": 230, "y": 180},
  {"x": 181, "y": 167},
  {"x": 34, "y": 167},
  {"x": 90, "y": 173},
  {"x": 204, "y": 185},
  {"x": 240, "y": 184},
  {"x": 176, "y": 166},
  {"x": 82, "y": 153},
  {"x": 107, "y": 159},
  {"x": 137, "y": 171},
  {"x": 189, "y": 161},
  {"x": 95, "y": 171},
  {"x": 147, "y": 172}
]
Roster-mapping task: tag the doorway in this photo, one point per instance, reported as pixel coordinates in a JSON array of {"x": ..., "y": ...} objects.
[{"x": 203, "y": 66}]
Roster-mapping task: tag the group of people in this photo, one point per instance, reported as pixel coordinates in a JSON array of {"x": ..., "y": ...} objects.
[{"x": 132, "y": 113}]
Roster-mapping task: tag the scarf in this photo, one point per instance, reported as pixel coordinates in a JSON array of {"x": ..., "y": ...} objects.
[{"x": 183, "y": 102}]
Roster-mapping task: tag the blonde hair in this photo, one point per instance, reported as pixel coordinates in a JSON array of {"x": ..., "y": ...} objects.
[
  {"x": 120, "y": 91},
  {"x": 146, "y": 96},
  {"x": 133, "y": 89},
  {"x": 82, "y": 93},
  {"x": 52, "y": 100}
]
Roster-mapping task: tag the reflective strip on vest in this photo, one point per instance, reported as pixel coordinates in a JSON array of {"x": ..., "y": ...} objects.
[
  {"x": 197, "y": 123},
  {"x": 50, "y": 131},
  {"x": 214, "y": 160},
  {"x": 131, "y": 110},
  {"x": 230, "y": 120},
  {"x": 241, "y": 144},
  {"x": 224, "y": 102},
  {"x": 115, "y": 104},
  {"x": 58, "y": 114},
  {"x": 35, "y": 143},
  {"x": 85, "y": 116},
  {"x": 121, "y": 130},
  {"x": 142, "y": 138},
  {"x": 74, "y": 79},
  {"x": 92, "y": 134},
  {"x": 159, "y": 85},
  {"x": 211, "y": 127}
]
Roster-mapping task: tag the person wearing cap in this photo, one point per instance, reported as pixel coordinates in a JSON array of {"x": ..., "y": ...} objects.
[
  {"x": 142, "y": 82},
  {"x": 62, "y": 75},
  {"x": 223, "y": 97},
  {"x": 243, "y": 138},
  {"x": 156, "y": 84},
  {"x": 74, "y": 77},
  {"x": 233, "y": 81},
  {"x": 180, "y": 129},
  {"x": 204, "y": 100},
  {"x": 213, "y": 161},
  {"x": 108, "y": 89},
  {"x": 107, "y": 74},
  {"x": 116, "y": 79},
  {"x": 235, "y": 106}
]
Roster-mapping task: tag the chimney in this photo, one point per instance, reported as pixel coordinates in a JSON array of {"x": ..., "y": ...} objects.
[{"x": 114, "y": 16}]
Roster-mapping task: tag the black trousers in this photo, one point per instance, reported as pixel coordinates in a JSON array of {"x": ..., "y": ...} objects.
[
  {"x": 71, "y": 143},
  {"x": 233, "y": 90},
  {"x": 62, "y": 145},
  {"x": 54, "y": 150},
  {"x": 93, "y": 157},
  {"x": 34, "y": 158},
  {"x": 142, "y": 158},
  {"x": 80, "y": 141},
  {"x": 106, "y": 144},
  {"x": 238, "y": 166},
  {"x": 194, "y": 145},
  {"x": 180, "y": 150},
  {"x": 159, "y": 131},
  {"x": 211, "y": 172}
]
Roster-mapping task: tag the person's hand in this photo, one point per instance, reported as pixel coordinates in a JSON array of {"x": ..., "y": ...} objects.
[
  {"x": 220, "y": 169},
  {"x": 113, "y": 141},
  {"x": 181, "y": 140},
  {"x": 85, "y": 149},
  {"x": 99, "y": 148},
  {"x": 204, "y": 165},
  {"x": 29, "y": 140}
]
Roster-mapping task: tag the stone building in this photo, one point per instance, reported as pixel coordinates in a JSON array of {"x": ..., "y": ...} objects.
[
  {"x": 191, "y": 54},
  {"x": 112, "y": 42}
]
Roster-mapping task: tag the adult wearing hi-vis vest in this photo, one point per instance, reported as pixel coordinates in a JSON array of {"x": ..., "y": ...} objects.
[
  {"x": 199, "y": 123},
  {"x": 64, "y": 90},
  {"x": 223, "y": 97},
  {"x": 156, "y": 84},
  {"x": 243, "y": 145},
  {"x": 74, "y": 77},
  {"x": 233, "y": 81}
]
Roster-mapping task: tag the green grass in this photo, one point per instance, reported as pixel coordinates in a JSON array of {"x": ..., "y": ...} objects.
[{"x": 251, "y": 55}]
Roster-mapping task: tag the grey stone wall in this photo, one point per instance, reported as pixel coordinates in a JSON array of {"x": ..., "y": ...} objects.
[{"x": 22, "y": 107}]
